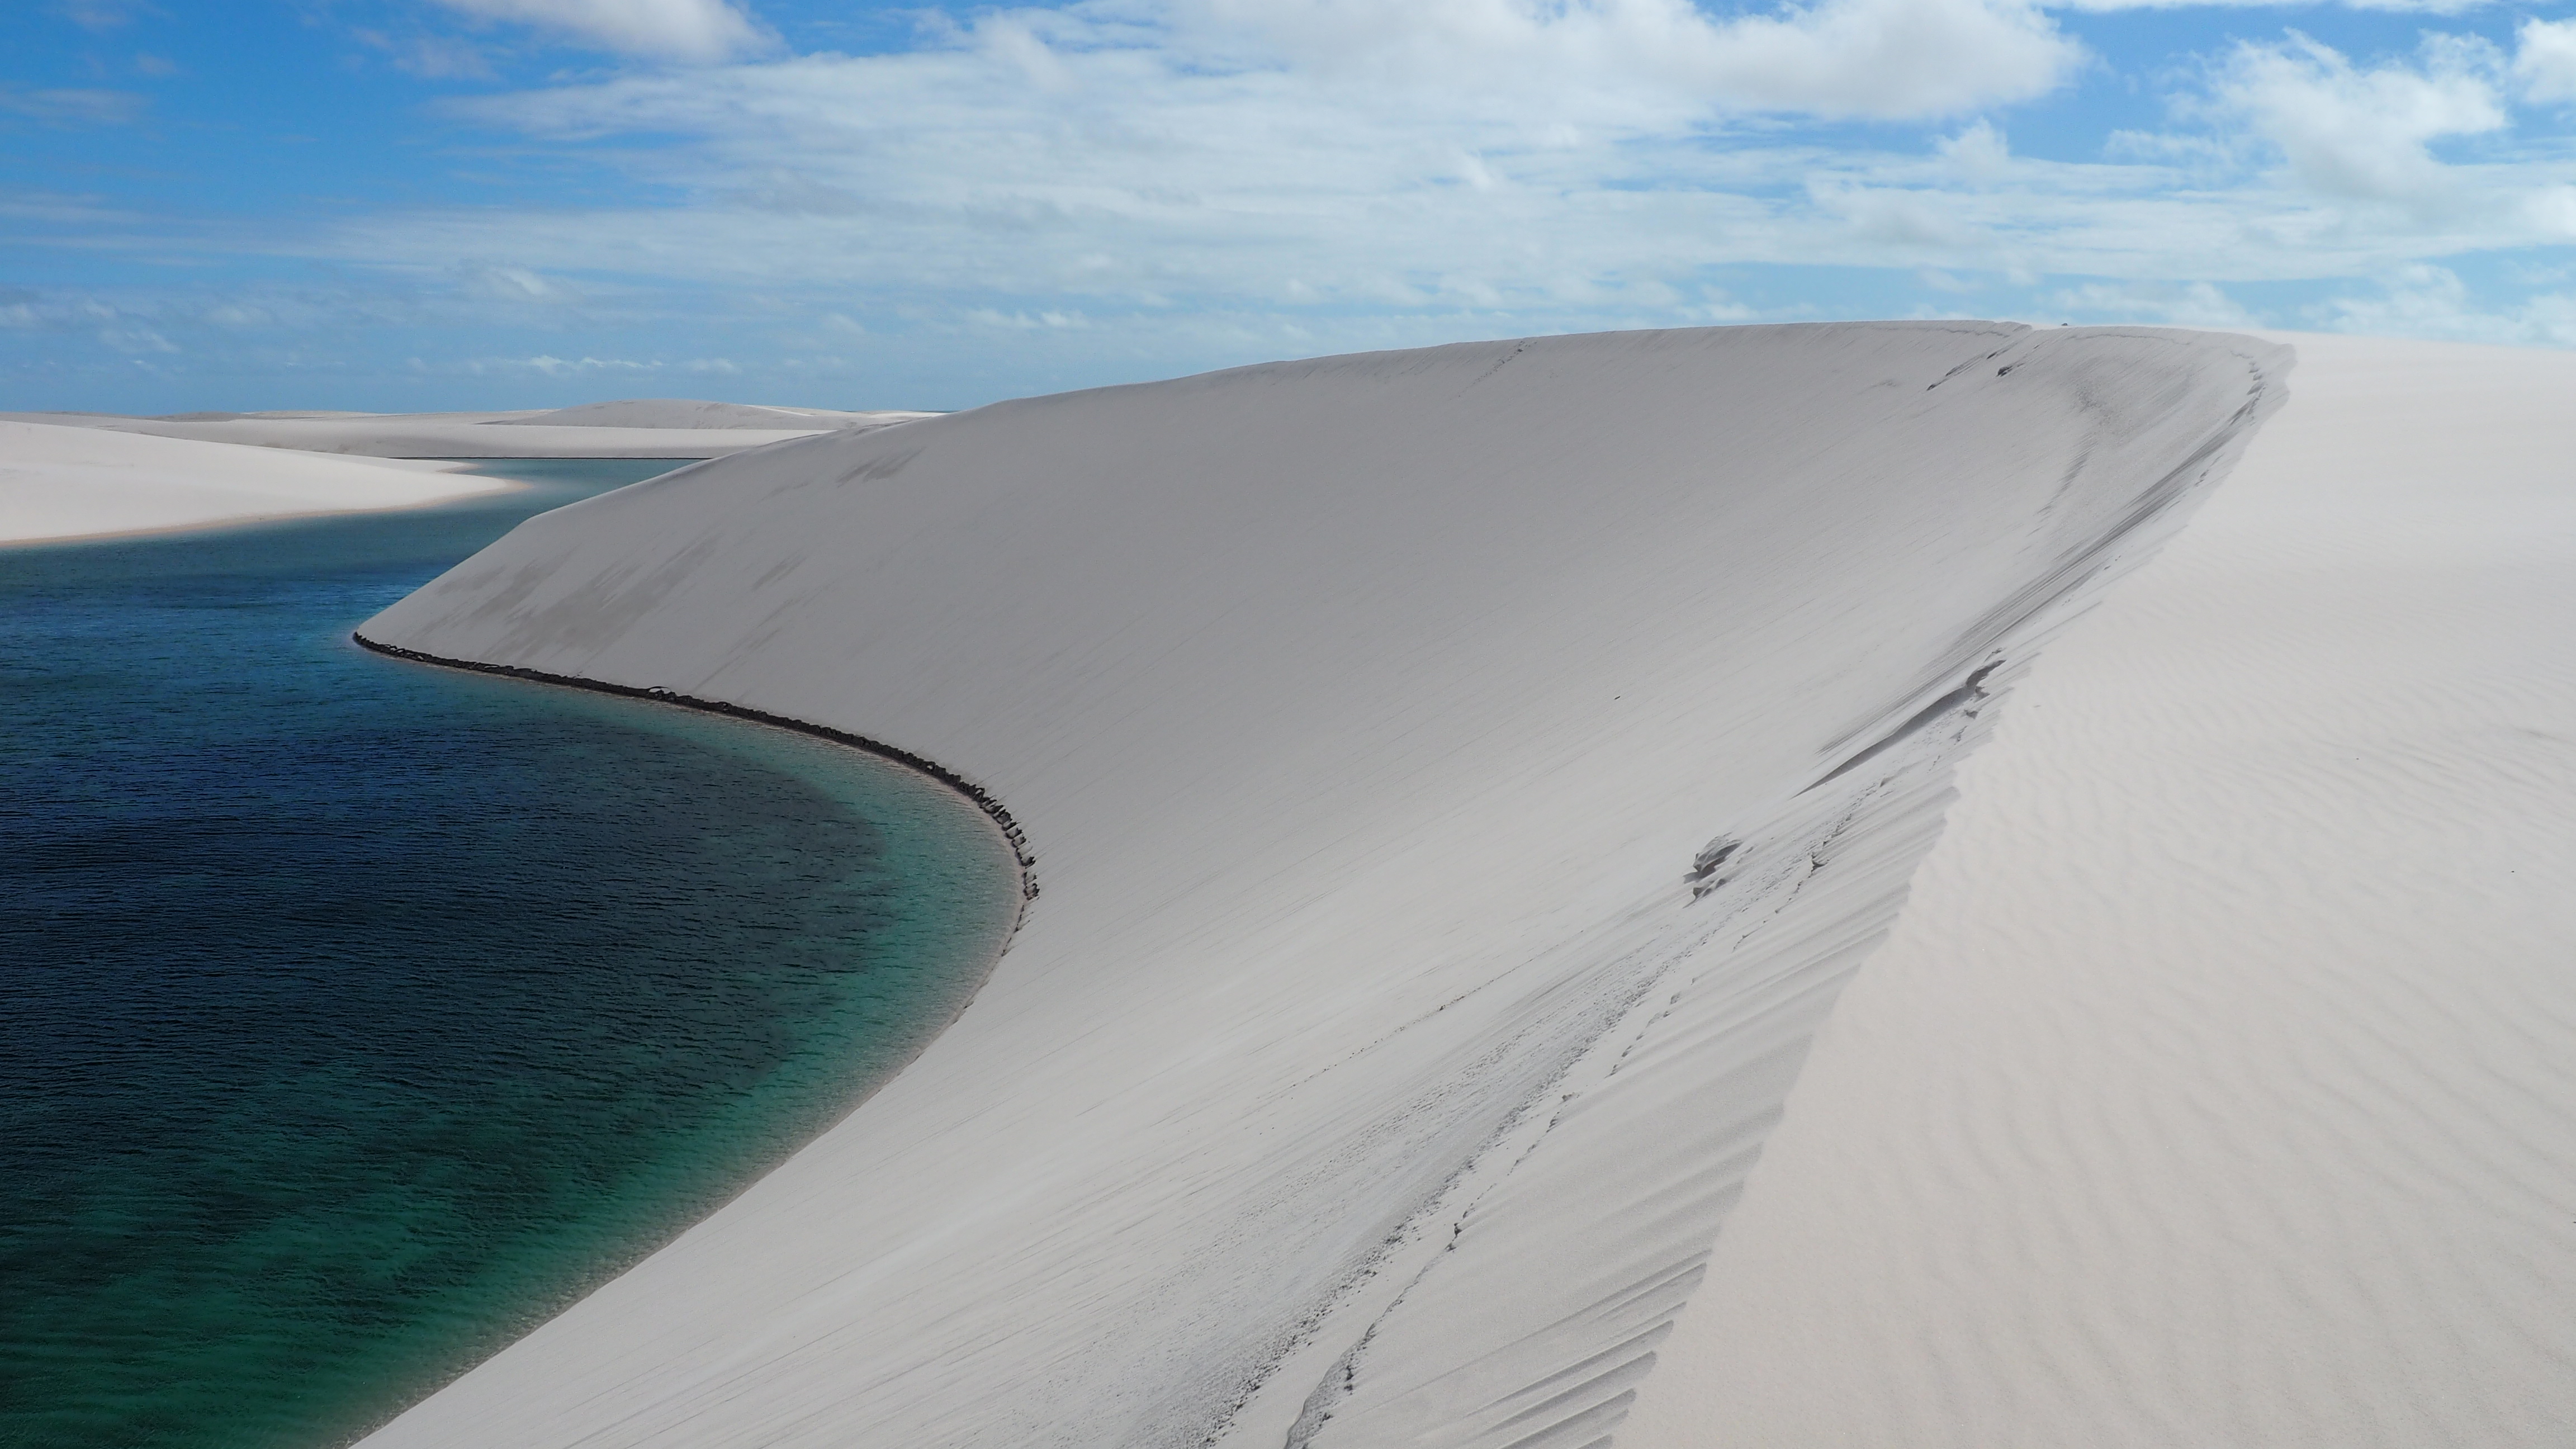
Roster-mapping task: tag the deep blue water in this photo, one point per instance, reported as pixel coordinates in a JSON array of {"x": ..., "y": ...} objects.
[{"x": 360, "y": 1014}]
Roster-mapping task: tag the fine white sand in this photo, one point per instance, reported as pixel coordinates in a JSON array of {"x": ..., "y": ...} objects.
[
  {"x": 1366, "y": 1073},
  {"x": 2218, "y": 1084},
  {"x": 648, "y": 428},
  {"x": 60, "y": 483}
]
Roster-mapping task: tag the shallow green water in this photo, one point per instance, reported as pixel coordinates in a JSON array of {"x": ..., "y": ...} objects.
[{"x": 360, "y": 1015}]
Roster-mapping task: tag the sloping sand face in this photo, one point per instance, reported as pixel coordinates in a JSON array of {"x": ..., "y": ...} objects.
[
  {"x": 2218, "y": 1085},
  {"x": 1459, "y": 782}
]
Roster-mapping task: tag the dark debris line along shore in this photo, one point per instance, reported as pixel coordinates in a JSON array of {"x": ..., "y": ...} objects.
[{"x": 984, "y": 799}]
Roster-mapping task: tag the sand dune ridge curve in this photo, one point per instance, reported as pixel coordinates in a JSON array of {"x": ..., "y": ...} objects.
[{"x": 1380, "y": 1063}]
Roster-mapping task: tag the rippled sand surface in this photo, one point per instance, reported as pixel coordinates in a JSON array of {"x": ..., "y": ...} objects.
[{"x": 2218, "y": 1083}]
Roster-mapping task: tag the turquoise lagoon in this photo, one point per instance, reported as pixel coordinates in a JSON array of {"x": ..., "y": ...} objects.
[{"x": 361, "y": 1014}]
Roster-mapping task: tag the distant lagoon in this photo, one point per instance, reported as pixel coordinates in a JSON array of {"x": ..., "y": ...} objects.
[{"x": 360, "y": 1015}]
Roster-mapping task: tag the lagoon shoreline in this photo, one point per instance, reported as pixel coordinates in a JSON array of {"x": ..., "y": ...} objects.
[
  {"x": 412, "y": 1003},
  {"x": 983, "y": 800}
]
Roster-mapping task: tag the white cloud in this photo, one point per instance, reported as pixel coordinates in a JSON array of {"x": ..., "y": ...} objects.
[
  {"x": 1889, "y": 58},
  {"x": 1977, "y": 153},
  {"x": 552, "y": 366},
  {"x": 703, "y": 31},
  {"x": 1903, "y": 219},
  {"x": 1200, "y": 181},
  {"x": 2363, "y": 134},
  {"x": 2545, "y": 61},
  {"x": 1878, "y": 58},
  {"x": 2191, "y": 304},
  {"x": 2401, "y": 7},
  {"x": 1307, "y": 153},
  {"x": 2552, "y": 211},
  {"x": 2431, "y": 301},
  {"x": 1151, "y": 162}
]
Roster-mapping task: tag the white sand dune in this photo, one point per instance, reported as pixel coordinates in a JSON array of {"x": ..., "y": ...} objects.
[
  {"x": 684, "y": 413},
  {"x": 2218, "y": 1084},
  {"x": 1367, "y": 1072},
  {"x": 60, "y": 483},
  {"x": 648, "y": 429},
  {"x": 224, "y": 417}
]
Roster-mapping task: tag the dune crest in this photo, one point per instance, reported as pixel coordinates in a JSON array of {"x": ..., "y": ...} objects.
[
  {"x": 1459, "y": 780},
  {"x": 2218, "y": 1085}
]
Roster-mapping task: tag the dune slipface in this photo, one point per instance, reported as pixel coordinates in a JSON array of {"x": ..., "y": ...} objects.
[
  {"x": 2218, "y": 1084},
  {"x": 1459, "y": 782}
]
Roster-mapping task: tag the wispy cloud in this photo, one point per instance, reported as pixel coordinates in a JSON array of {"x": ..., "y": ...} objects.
[
  {"x": 2545, "y": 62},
  {"x": 1046, "y": 196},
  {"x": 2191, "y": 304},
  {"x": 1883, "y": 58},
  {"x": 2430, "y": 301},
  {"x": 72, "y": 107},
  {"x": 513, "y": 285},
  {"x": 100, "y": 16},
  {"x": 2363, "y": 134},
  {"x": 1590, "y": 158},
  {"x": 696, "y": 31},
  {"x": 552, "y": 366},
  {"x": 2391, "y": 7}
]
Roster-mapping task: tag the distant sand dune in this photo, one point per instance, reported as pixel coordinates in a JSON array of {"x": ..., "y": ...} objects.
[
  {"x": 682, "y": 413},
  {"x": 2218, "y": 1084},
  {"x": 1435, "y": 765},
  {"x": 650, "y": 428},
  {"x": 60, "y": 482}
]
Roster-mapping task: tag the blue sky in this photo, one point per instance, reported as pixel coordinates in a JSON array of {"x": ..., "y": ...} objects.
[{"x": 413, "y": 204}]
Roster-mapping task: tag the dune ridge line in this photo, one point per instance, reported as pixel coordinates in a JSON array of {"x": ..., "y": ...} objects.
[{"x": 2218, "y": 1083}]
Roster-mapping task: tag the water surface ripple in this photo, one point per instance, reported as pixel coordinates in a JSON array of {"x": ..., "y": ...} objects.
[{"x": 360, "y": 1015}]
